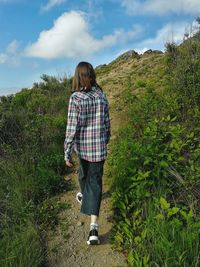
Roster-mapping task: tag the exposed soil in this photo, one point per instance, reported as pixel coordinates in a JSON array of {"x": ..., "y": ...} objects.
[{"x": 66, "y": 246}]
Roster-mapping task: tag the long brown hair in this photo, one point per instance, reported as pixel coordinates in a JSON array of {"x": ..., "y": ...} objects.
[{"x": 84, "y": 77}]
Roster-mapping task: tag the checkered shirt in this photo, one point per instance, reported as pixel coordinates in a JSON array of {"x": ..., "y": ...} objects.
[{"x": 88, "y": 125}]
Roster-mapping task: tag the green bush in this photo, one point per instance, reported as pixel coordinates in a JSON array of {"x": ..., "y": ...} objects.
[
  {"x": 32, "y": 126},
  {"x": 139, "y": 170},
  {"x": 21, "y": 246},
  {"x": 154, "y": 172},
  {"x": 140, "y": 83}
]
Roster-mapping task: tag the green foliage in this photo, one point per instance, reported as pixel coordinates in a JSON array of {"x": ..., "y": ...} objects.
[
  {"x": 154, "y": 168},
  {"x": 140, "y": 83},
  {"x": 184, "y": 70},
  {"x": 20, "y": 246},
  {"x": 32, "y": 126},
  {"x": 48, "y": 210}
]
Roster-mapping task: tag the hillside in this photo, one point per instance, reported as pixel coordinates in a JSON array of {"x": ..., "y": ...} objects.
[
  {"x": 128, "y": 73},
  {"x": 151, "y": 180},
  {"x": 153, "y": 167}
]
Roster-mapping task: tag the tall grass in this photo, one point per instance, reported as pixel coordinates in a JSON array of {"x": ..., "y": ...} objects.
[
  {"x": 32, "y": 126},
  {"x": 154, "y": 169}
]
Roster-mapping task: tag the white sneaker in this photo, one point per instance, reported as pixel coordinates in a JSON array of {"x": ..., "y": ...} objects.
[
  {"x": 79, "y": 197},
  {"x": 93, "y": 238}
]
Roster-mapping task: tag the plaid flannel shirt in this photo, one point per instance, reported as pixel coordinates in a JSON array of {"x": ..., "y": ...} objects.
[{"x": 88, "y": 125}]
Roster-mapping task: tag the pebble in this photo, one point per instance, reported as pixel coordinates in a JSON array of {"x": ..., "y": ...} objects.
[
  {"x": 72, "y": 257},
  {"x": 79, "y": 223}
]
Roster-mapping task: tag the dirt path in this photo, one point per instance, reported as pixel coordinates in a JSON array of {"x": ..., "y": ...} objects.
[{"x": 67, "y": 245}]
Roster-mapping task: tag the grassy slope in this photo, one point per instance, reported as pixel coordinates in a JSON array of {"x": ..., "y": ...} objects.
[
  {"x": 132, "y": 76},
  {"x": 123, "y": 76},
  {"x": 118, "y": 79}
]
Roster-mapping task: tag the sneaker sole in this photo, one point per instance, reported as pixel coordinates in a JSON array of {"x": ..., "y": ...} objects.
[
  {"x": 93, "y": 241},
  {"x": 80, "y": 202}
]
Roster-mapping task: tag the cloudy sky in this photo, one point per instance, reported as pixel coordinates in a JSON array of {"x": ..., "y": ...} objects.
[{"x": 52, "y": 36}]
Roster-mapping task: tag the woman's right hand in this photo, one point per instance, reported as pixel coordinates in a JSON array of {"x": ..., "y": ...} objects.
[{"x": 69, "y": 163}]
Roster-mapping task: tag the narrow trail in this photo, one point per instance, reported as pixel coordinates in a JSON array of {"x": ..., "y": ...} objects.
[{"x": 67, "y": 245}]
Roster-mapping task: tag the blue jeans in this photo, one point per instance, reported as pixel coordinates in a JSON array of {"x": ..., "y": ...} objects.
[{"x": 90, "y": 180}]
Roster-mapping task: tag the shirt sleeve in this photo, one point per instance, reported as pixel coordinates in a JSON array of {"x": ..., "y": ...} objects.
[
  {"x": 71, "y": 128},
  {"x": 107, "y": 121}
]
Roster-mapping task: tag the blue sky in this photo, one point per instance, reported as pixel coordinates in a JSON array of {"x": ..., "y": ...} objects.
[{"x": 52, "y": 36}]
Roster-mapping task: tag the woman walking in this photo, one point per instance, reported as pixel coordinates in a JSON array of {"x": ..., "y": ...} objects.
[{"x": 88, "y": 133}]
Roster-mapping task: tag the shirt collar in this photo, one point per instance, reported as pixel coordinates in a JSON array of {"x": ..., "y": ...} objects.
[{"x": 93, "y": 88}]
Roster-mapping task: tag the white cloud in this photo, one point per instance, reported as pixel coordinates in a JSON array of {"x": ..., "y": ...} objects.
[
  {"x": 10, "y": 56},
  {"x": 51, "y": 4},
  {"x": 141, "y": 50},
  {"x": 161, "y": 7},
  {"x": 168, "y": 33},
  {"x": 34, "y": 65},
  {"x": 12, "y": 47},
  {"x": 70, "y": 37},
  {"x": 3, "y": 58}
]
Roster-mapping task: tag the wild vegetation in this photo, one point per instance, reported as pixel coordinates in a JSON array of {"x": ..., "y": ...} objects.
[
  {"x": 32, "y": 126},
  {"x": 154, "y": 164}
]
